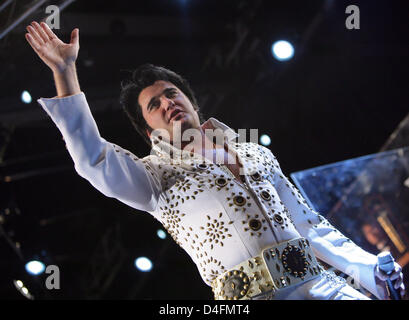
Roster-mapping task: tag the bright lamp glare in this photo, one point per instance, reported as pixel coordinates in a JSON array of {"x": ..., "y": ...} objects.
[
  {"x": 161, "y": 234},
  {"x": 22, "y": 289},
  {"x": 265, "y": 140},
  {"x": 26, "y": 97},
  {"x": 35, "y": 267},
  {"x": 143, "y": 264},
  {"x": 282, "y": 50}
]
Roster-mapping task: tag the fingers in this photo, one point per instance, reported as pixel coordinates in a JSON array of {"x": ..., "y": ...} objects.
[
  {"x": 40, "y": 31},
  {"x": 398, "y": 283},
  {"x": 402, "y": 291},
  {"x": 395, "y": 276},
  {"x": 383, "y": 292},
  {"x": 381, "y": 275},
  {"x": 33, "y": 43},
  {"x": 75, "y": 36},
  {"x": 398, "y": 268},
  {"x": 35, "y": 35},
  {"x": 48, "y": 31}
]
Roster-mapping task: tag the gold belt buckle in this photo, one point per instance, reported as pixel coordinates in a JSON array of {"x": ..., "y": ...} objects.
[
  {"x": 290, "y": 263},
  {"x": 280, "y": 266}
]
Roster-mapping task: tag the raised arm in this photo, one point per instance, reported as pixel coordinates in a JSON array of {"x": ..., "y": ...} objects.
[
  {"x": 60, "y": 57},
  {"x": 115, "y": 172}
]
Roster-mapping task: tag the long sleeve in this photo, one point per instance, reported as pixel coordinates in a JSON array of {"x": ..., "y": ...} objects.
[
  {"x": 112, "y": 170},
  {"x": 329, "y": 244}
]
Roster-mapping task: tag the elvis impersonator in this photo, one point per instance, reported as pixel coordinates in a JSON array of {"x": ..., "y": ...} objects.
[{"x": 246, "y": 227}]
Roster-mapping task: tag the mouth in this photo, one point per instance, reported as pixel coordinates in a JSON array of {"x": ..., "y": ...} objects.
[{"x": 174, "y": 114}]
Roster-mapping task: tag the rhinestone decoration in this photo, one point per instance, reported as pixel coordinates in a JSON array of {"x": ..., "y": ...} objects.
[
  {"x": 255, "y": 224},
  {"x": 235, "y": 285},
  {"x": 202, "y": 166},
  {"x": 294, "y": 261},
  {"x": 239, "y": 201},
  {"x": 278, "y": 219},
  {"x": 265, "y": 195},
  {"x": 221, "y": 182}
]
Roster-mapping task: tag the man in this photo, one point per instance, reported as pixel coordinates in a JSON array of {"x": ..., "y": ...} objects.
[{"x": 247, "y": 228}]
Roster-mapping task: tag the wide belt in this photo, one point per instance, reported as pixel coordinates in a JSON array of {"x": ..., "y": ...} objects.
[{"x": 281, "y": 266}]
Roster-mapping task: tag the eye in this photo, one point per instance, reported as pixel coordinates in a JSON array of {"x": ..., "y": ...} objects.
[
  {"x": 171, "y": 94},
  {"x": 155, "y": 104}
]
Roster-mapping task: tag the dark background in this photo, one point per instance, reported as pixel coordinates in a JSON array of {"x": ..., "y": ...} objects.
[{"x": 340, "y": 97}]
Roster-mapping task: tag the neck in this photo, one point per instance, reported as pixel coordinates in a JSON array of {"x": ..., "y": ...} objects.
[{"x": 198, "y": 144}]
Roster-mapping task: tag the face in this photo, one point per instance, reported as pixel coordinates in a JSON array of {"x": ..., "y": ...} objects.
[{"x": 164, "y": 105}]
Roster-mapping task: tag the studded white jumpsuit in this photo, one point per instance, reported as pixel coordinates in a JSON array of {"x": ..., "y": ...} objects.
[{"x": 219, "y": 221}]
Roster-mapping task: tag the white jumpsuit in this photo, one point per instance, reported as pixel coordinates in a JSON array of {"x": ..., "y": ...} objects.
[{"x": 219, "y": 221}]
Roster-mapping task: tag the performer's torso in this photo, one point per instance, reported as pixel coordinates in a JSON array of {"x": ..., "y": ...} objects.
[{"x": 217, "y": 218}]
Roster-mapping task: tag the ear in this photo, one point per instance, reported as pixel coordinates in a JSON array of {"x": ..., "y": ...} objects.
[{"x": 148, "y": 133}]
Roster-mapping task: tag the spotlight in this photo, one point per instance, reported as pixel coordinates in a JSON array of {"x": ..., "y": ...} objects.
[
  {"x": 265, "y": 140},
  {"x": 161, "y": 234},
  {"x": 406, "y": 183},
  {"x": 143, "y": 264},
  {"x": 282, "y": 50},
  {"x": 22, "y": 289},
  {"x": 19, "y": 283},
  {"x": 26, "y": 97},
  {"x": 35, "y": 267}
]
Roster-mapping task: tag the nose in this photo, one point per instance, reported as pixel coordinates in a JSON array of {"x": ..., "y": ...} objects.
[{"x": 170, "y": 104}]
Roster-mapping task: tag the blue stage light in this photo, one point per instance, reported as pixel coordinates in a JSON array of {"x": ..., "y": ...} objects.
[
  {"x": 282, "y": 50},
  {"x": 35, "y": 267},
  {"x": 265, "y": 140},
  {"x": 143, "y": 264},
  {"x": 161, "y": 234},
  {"x": 26, "y": 97}
]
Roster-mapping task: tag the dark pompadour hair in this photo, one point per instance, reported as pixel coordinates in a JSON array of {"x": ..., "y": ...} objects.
[{"x": 144, "y": 76}]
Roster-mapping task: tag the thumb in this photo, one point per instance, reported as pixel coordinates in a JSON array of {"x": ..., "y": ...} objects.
[{"x": 75, "y": 36}]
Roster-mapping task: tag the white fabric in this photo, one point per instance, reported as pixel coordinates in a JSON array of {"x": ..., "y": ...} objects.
[
  {"x": 200, "y": 215},
  {"x": 322, "y": 288}
]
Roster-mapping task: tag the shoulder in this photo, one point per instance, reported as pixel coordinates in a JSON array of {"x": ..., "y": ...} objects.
[
  {"x": 153, "y": 161},
  {"x": 252, "y": 146},
  {"x": 261, "y": 151}
]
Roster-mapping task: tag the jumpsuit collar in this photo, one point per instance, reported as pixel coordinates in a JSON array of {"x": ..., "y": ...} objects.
[{"x": 164, "y": 149}]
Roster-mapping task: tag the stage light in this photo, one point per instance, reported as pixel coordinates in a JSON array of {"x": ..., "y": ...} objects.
[
  {"x": 22, "y": 289},
  {"x": 19, "y": 283},
  {"x": 161, "y": 234},
  {"x": 265, "y": 140},
  {"x": 35, "y": 267},
  {"x": 26, "y": 97},
  {"x": 143, "y": 264},
  {"x": 282, "y": 50}
]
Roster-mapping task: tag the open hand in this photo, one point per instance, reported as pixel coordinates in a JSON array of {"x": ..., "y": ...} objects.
[{"x": 55, "y": 53}]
